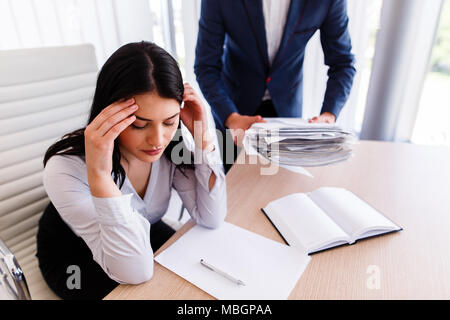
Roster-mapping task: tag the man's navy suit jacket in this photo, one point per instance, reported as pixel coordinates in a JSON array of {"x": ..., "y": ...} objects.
[{"x": 232, "y": 64}]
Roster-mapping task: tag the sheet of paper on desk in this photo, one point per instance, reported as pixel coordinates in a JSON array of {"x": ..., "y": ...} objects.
[
  {"x": 300, "y": 170},
  {"x": 269, "y": 269}
]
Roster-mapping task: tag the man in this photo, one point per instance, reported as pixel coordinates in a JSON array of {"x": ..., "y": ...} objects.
[{"x": 249, "y": 59}]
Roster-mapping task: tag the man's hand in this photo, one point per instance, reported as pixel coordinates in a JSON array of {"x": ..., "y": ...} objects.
[
  {"x": 238, "y": 124},
  {"x": 325, "y": 117}
]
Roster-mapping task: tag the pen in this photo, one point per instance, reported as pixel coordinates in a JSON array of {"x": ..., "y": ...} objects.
[{"x": 222, "y": 273}]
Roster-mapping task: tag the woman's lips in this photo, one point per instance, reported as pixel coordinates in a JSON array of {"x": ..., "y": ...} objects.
[{"x": 153, "y": 152}]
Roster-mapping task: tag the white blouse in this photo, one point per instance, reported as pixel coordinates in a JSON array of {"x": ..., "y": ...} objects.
[{"x": 117, "y": 230}]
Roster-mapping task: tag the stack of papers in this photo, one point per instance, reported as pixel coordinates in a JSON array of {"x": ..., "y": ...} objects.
[{"x": 295, "y": 142}]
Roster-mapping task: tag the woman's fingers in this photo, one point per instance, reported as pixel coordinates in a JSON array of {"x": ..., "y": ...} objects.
[
  {"x": 100, "y": 134},
  {"x": 187, "y": 94},
  {"x": 115, "y": 119},
  {"x": 189, "y": 91},
  {"x": 192, "y": 102},
  {"x": 190, "y": 97},
  {"x": 114, "y": 132},
  {"x": 110, "y": 111}
]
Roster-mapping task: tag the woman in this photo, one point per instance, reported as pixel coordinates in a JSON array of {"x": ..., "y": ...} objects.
[{"x": 110, "y": 182}]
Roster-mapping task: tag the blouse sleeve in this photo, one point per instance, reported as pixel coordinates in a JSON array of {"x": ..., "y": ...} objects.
[
  {"x": 206, "y": 207},
  {"x": 116, "y": 233}
]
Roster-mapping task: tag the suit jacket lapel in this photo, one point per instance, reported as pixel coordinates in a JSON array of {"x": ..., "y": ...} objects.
[{"x": 254, "y": 12}]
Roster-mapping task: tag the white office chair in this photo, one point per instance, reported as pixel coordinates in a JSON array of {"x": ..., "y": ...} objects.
[{"x": 44, "y": 93}]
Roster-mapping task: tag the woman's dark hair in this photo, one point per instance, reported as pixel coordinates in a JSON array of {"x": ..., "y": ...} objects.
[{"x": 133, "y": 69}]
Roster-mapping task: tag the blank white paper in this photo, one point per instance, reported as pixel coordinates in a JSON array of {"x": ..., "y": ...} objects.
[{"x": 269, "y": 269}]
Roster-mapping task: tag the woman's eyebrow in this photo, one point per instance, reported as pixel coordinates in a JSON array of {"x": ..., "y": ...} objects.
[{"x": 144, "y": 119}]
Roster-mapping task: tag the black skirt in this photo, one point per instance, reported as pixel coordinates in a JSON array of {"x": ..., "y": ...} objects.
[{"x": 61, "y": 254}]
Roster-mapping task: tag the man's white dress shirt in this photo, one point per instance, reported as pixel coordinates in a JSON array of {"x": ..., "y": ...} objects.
[{"x": 275, "y": 15}]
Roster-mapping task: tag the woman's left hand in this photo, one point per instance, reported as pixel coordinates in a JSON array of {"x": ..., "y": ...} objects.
[{"x": 194, "y": 117}]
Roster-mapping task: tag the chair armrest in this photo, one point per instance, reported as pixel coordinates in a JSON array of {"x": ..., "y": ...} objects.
[{"x": 10, "y": 267}]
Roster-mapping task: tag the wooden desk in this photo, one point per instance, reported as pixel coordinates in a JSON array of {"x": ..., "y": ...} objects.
[{"x": 410, "y": 184}]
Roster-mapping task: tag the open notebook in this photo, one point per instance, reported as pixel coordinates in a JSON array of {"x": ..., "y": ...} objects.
[{"x": 326, "y": 218}]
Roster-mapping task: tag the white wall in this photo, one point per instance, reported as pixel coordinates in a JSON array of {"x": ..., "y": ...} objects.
[
  {"x": 363, "y": 15},
  {"x": 107, "y": 24},
  {"x": 404, "y": 44}
]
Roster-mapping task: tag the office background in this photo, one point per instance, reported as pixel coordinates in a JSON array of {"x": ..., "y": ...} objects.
[{"x": 402, "y": 51}]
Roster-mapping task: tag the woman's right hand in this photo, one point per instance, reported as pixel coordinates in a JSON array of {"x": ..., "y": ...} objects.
[{"x": 99, "y": 138}]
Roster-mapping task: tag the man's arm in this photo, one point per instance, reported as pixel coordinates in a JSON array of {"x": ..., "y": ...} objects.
[
  {"x": 336, "y": 44},
  {"x": 208, "y": 60}
]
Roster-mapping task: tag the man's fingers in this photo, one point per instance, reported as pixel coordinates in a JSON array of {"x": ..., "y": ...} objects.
[
  {"x": 322, "y": 119},
  {"x": 256, "y": 119},
  {"x": 260, "y": 119}
]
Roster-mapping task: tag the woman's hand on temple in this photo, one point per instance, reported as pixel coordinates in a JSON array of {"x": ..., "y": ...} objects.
[
  {"x": 194, "y": 117},
  {"x": 99, "y": 138}
]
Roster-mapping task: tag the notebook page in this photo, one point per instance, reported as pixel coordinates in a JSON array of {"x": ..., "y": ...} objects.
[
  {"x": 303, "y": 223},
  {"x": 269, "y": 269},
  {"x": 350, "y": 212}
]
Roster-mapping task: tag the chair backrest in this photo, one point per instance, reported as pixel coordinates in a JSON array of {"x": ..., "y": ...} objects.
[{"x": 44, "y": 94}]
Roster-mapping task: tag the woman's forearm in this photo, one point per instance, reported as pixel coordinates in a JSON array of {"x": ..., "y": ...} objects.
[
  {"x": 208, "y": 146},
  {"x": 103, "y": 186}
]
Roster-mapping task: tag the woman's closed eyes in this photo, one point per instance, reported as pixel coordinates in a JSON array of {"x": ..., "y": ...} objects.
[{"x": 167, "y": 124}]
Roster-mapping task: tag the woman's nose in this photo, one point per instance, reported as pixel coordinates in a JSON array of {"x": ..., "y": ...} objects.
[{"x": 156, "y": 137}]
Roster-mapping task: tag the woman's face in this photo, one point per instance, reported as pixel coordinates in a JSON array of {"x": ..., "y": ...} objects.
[{"x": 155, "y": 126}]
